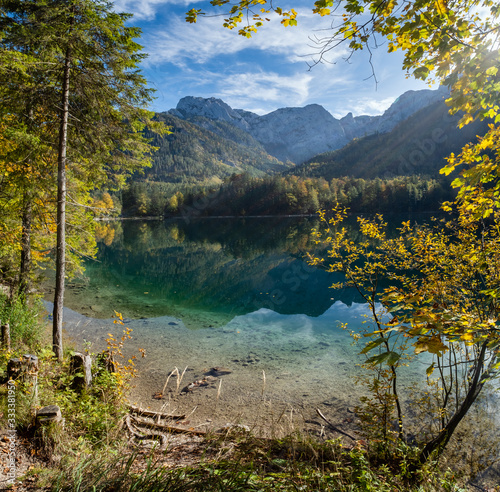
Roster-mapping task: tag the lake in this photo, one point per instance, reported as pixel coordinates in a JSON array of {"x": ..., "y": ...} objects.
[
  {"x": 206, "y": 271},
  {"x": 231, "y": 293}
]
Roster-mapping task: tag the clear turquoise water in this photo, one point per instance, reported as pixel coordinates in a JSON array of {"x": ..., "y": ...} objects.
[{"x": 235, "y": 293}]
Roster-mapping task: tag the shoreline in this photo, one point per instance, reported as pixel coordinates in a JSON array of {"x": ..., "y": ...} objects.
[
  {"x": 188, "y": 217},
  {"x": 260, "y": 390},
  {"x": 194, "y": 216}
]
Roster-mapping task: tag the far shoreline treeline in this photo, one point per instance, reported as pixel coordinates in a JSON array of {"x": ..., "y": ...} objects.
[{"x": 242, "y": 195}]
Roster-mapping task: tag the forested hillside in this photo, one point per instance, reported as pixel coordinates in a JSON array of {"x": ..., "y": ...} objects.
[
  {"x": 417, "y": 146},
  {"x": 206, "y": 152},
  {"x": 209, "y": 167},
  {"x": 242, "y": 195}
]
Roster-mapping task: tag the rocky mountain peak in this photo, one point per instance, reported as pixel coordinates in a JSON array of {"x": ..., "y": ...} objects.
[
  {"x": 211, "y": 108},
  {"x": 292, "y": 133},
  {"x": 407, "y": 104},
  {"x": 297, "y": 134}
]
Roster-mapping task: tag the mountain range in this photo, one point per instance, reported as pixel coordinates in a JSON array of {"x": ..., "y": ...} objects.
[
  {"x": 297, "y": 134},
  {"x": 211, "y": 141}
]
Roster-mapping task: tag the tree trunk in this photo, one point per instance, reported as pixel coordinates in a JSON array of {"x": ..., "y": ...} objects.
[
  {"x": 25, "y": 268},
  {"x": 61, "y": 213},
  {"x": 441, "y": 440},
  {"x": 5, "y": 336},
  {"x": 26, "y": 222}
]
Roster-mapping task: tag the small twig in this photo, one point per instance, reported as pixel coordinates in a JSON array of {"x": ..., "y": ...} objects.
[
  {"x": 219, "y": 389},
  {"x": 336, "y": 429},
  {"x": 179, "y": 377},
  {"x": 175, "y": 371}
]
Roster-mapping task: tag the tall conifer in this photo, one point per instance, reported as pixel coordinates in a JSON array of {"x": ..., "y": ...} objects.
[{"x": 93, "y": 92}]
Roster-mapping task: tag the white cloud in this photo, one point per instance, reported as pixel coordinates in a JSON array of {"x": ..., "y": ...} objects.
[
  {"x": 258, "y": 91},
  {"x": 180, "y": 42},
  {"x": 146, "y": 9},
  {"x": 370, "y": 106}
]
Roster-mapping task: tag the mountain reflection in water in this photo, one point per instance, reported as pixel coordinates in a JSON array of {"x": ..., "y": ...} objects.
[{"x": 211, "y": 268}]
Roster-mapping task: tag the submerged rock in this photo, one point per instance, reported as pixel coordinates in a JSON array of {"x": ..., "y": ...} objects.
[{"x": 218, "y": 371}]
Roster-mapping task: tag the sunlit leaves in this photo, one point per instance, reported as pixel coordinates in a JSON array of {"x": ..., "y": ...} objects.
[
  {"x": 192, "y": 15},
  {"x": 433, "y": 345},
  {"x": 373, "y": 344},
  {"x": 478, "y": 182},
  {"x": 444, "y": 280}
]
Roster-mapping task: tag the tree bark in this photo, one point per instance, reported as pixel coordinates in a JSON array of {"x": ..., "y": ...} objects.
[
  {"x": 61, "y": 213},
  {"x": 441, "y": 440},
  {"x": 25, "y": 267},
  {"x": 5, "y": 336}
]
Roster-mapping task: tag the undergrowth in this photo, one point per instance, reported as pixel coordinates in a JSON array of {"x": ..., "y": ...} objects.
[
  {"x": 89, "y": 453},
  {"x": 291, "y": 464}
]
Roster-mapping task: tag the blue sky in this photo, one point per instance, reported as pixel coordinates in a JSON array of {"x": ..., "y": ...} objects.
[{"x": 261, "y": 74}]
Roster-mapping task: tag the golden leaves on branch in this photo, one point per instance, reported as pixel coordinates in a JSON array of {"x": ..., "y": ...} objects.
[{"x": 444, "y": 279}]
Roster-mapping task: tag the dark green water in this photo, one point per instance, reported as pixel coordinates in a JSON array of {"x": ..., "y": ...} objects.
[{"x": 208, "y": 269}]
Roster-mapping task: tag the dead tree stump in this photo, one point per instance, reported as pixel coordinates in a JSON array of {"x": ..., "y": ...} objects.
[
  {"x": 25, "y": 371},
  {"x": 81, "y": 368},
  {"x": 48, "y": 415},
  {"x": 30, "y": 365},
  {"x": 14, "y": 368},
  {"x": 107, "y": 360},
  {"x": 5, "y": 336}
]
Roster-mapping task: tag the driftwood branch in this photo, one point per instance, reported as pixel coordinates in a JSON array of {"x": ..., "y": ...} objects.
[
  {"x": 167, "y": 428},
  {"x": 150, "y": 435},
  {"x": 333, "y": 427},
  {"x": 150, "y": 413},
  {"x": 154, "y": 429}
]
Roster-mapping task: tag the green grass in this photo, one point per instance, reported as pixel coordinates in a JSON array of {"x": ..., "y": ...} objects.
[
  {"x": 25, "y": 320},
  {"x": 292, "y": 464}
]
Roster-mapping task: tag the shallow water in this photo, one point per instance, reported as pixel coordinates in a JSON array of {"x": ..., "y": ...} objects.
[{"x": 224, "y": 292}]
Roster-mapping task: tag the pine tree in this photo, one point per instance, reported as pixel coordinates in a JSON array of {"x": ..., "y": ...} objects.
[{"x": 93, "y": 91}]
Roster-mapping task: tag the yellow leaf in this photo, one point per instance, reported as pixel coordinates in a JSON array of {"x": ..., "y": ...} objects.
[
  {"x": 433, "y": 345},
  {"x": 441, "y": 7}
]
